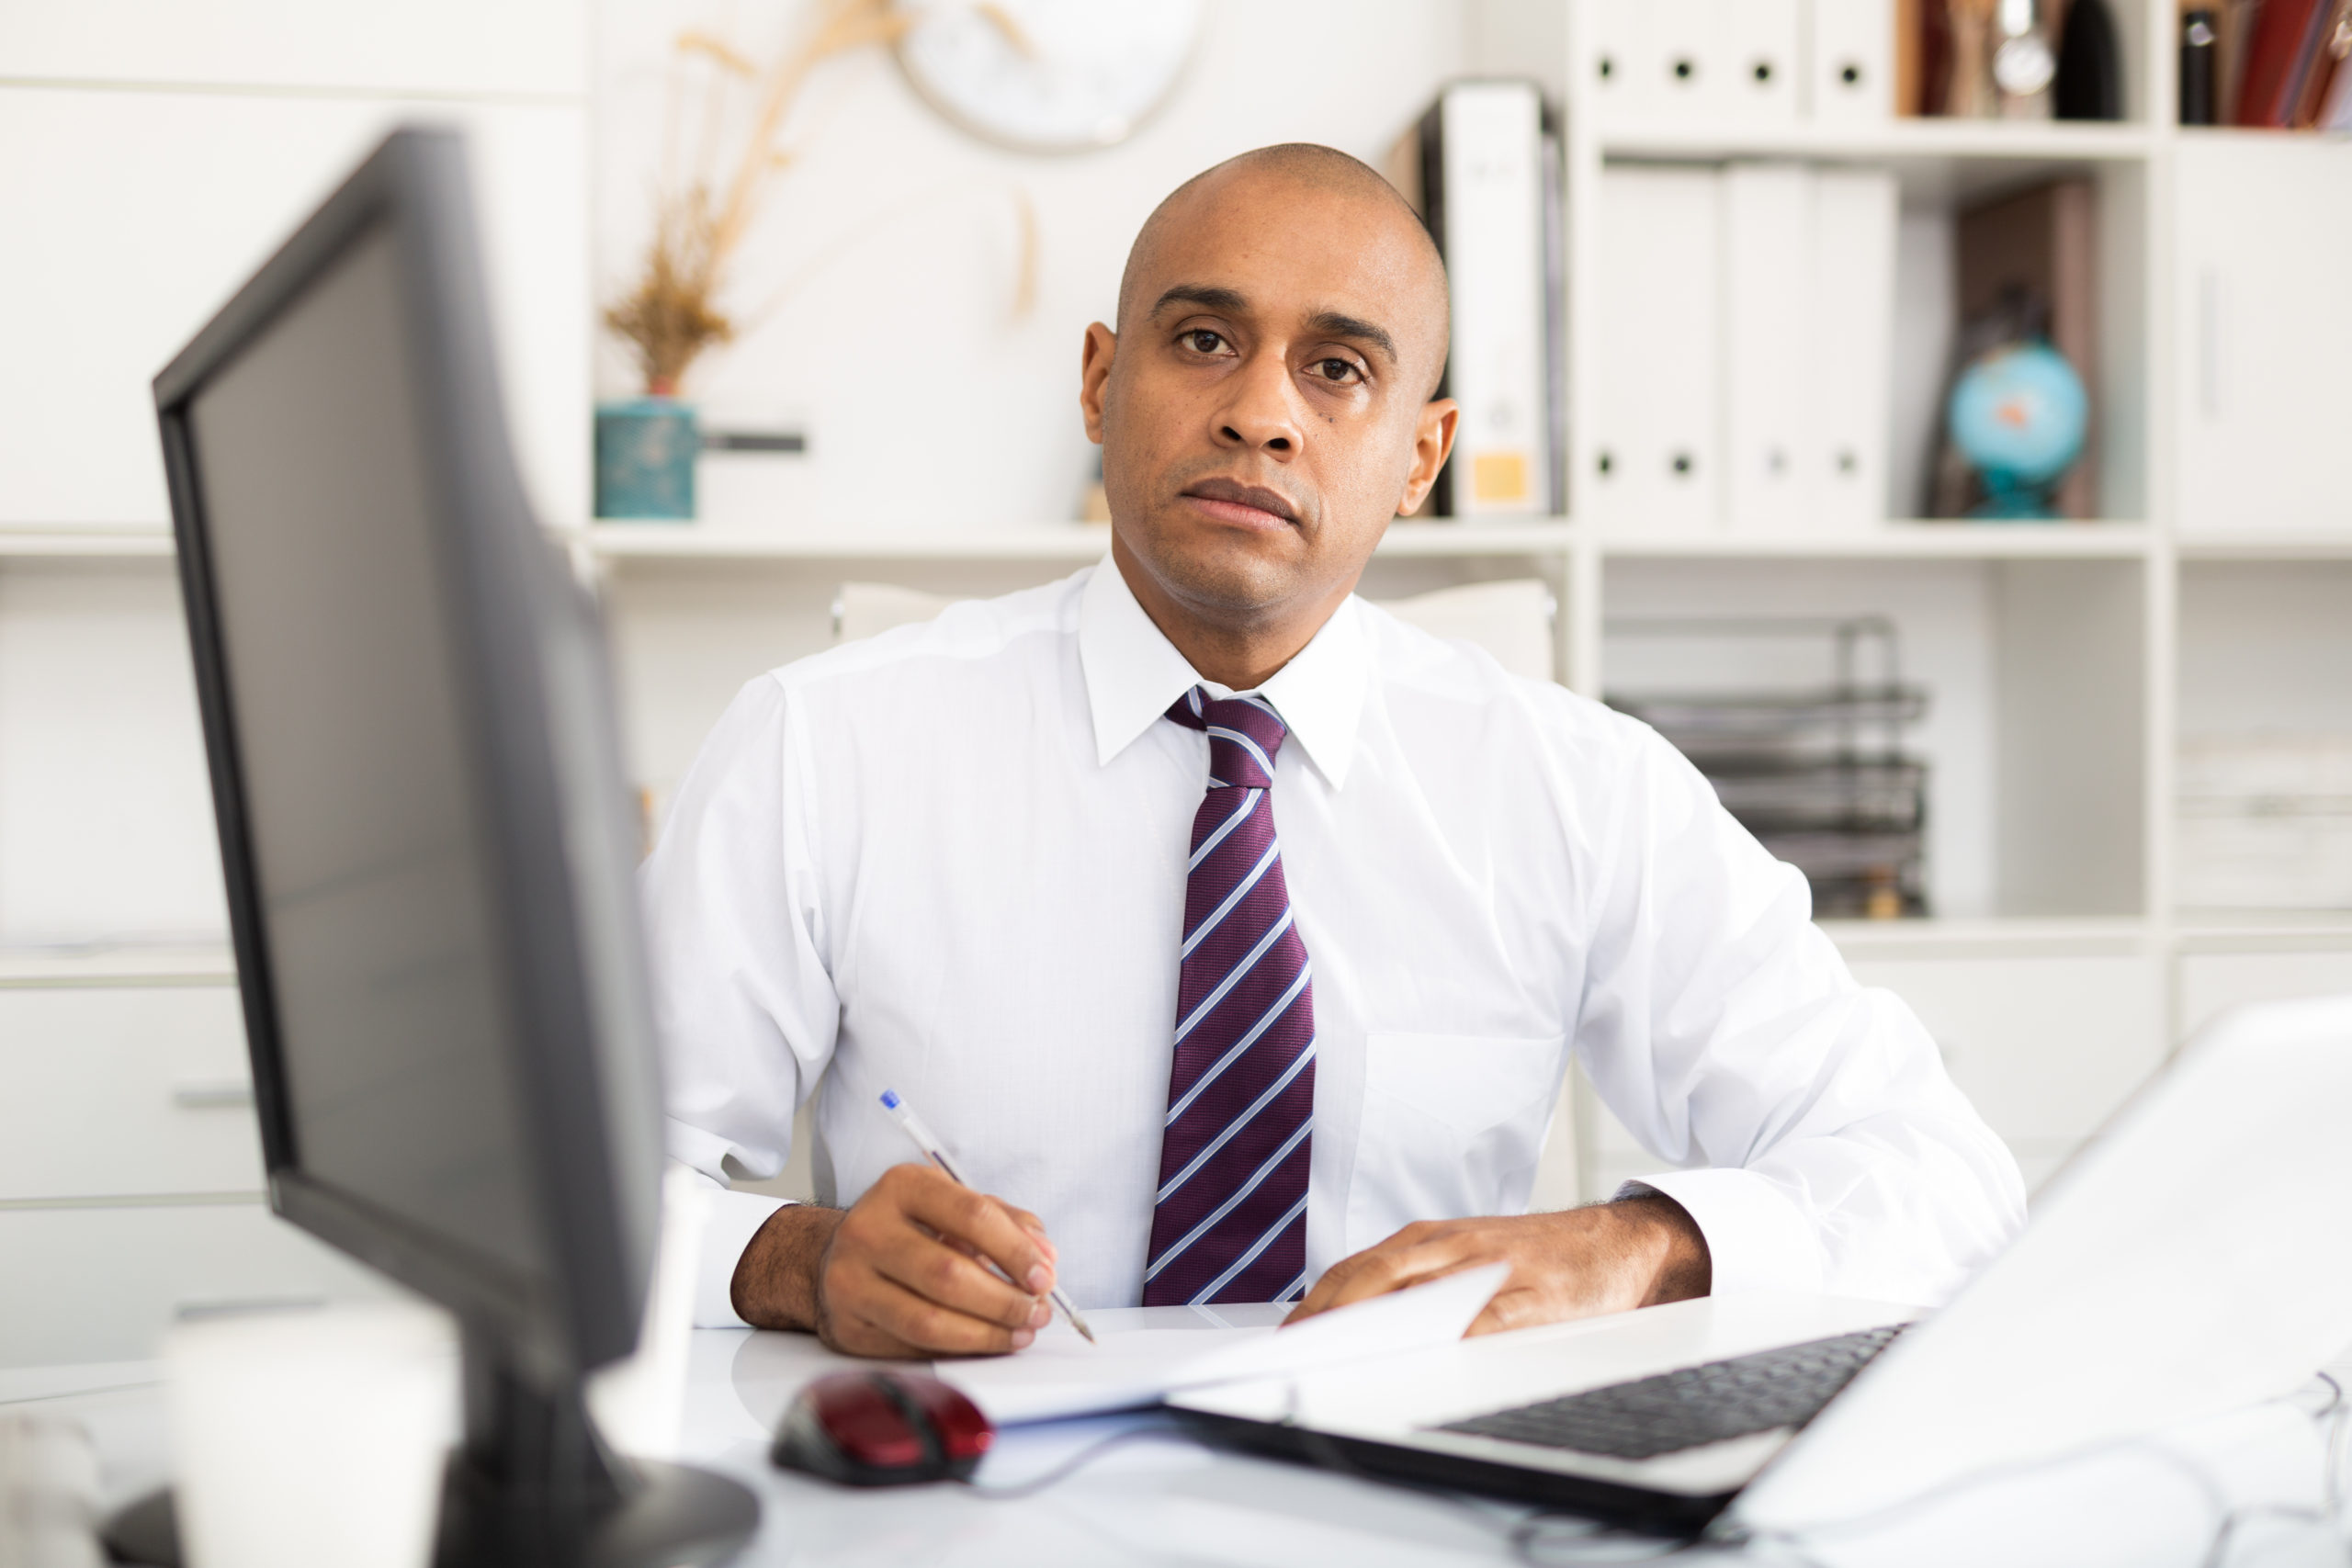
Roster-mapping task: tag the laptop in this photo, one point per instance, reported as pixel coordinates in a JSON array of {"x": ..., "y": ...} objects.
[{"x": 2187, "y": 1261}]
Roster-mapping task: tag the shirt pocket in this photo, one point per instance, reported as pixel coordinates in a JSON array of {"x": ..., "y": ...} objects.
[{"x": 1452, "y": 1126}]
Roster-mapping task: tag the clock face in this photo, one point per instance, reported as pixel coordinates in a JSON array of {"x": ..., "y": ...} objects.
[{"x": 1047, "y": 75}]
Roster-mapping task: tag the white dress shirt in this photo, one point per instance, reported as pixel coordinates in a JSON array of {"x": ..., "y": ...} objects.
[{"x": 950, "y": 860}]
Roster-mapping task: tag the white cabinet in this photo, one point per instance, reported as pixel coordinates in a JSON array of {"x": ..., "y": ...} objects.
[
  {"x": 130, "y": 1171},
  {"x": 125, "y": 1093},
  {"x": 101, "y": 1284},
  {"x": 133, "y": 216},
  {"x": 2047, "y": 1048},
  {"x": 2263, "y": 235},
  {"x": 2212, "y": 983}
]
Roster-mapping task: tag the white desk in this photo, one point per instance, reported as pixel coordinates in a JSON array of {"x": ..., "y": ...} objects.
[{"x": 1166, "y": 1501}]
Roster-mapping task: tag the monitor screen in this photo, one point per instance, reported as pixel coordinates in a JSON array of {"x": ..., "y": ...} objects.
[{"x": 350, "y": 714}]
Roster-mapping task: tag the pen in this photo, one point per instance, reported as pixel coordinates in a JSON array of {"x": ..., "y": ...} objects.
[{"x": 923, "y": 1138}]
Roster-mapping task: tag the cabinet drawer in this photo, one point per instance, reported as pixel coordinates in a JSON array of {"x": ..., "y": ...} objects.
[
  {"x": 100, "y": 1284},
  {"x": 2210, "y": 983},
  {"x": 110, "y": 1093},
  {"x": 2046, "y": 1047}
]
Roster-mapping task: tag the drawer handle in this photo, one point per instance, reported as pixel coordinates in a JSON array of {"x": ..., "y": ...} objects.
[{"x": 213, "y": 1094}]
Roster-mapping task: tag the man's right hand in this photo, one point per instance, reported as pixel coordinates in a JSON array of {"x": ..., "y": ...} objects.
[{"x": 900, "y": 1272}]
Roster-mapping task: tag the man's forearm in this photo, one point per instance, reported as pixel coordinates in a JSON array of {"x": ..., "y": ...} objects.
[
  {"x": 775, "y": 1279},
  {"x": 1682, "y": 1266}
]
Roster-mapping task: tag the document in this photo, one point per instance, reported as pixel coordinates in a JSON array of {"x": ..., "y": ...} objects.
[{"x": 1062, "y": 1375}]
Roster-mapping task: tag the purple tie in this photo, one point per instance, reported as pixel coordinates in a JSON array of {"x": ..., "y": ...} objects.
[{"x": 1229, "y": 1224}]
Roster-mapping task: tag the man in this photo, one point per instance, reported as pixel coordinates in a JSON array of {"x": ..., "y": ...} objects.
[{"x": 1238, "y": 932}]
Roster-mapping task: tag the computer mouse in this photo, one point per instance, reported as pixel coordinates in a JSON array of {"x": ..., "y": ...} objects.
[{"x": 882, "y": 1428}]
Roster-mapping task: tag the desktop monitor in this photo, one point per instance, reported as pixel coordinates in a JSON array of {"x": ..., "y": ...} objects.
[{"x": 427, "y": 848}]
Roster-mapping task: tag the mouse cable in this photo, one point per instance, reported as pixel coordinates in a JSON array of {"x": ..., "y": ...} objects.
[{"x": 1073, "y": 1464}]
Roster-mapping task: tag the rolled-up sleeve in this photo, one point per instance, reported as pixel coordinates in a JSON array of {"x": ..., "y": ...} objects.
[
  {"x": 743, "y": 1001},
  {"x": 1819, "y": 1143}
]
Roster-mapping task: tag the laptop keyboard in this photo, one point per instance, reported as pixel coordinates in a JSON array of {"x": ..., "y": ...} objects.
[{"x": 1663, "y": 1415}]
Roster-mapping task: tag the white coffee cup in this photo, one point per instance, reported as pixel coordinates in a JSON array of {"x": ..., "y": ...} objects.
[{"x": 312, "y": 1436}]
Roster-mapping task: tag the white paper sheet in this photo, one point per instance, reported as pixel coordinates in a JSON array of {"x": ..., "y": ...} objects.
[{"x": 1061, "y": 1374}]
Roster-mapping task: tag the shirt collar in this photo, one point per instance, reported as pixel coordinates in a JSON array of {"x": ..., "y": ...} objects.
[{"x": 1133, "y": 673}]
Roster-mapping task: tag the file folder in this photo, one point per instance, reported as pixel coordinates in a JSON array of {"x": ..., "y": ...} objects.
[
  {"x": 1768, "y": 243},
  {"x": 1687, "y": 59},
  {"x": 1616, "y": 42},
  {"x": 1760, "y": 63},
  {"x": 1485, "y": 201},
  {"x": 1655, "y": 416},
  {"x": 1850, "y": 320},
  {"x": 1850, "y": 66}
]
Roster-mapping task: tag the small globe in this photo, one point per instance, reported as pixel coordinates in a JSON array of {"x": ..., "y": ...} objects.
[{"x": 2019, "y": 415}]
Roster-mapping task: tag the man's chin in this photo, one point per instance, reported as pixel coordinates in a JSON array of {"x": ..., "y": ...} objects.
[{"x": 1240, "y": 573}]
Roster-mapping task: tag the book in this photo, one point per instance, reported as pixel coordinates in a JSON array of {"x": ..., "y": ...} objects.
[
  {"x": 2284, "y": 35},
  {"x": 2332, "y": 43}
]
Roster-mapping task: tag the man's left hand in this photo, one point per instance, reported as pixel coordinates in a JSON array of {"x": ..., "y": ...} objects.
[{"x": 1578, "y": 1263}]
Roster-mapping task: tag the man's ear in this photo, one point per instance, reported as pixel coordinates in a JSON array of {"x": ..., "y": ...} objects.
[
  {"x": 1433, "y": 440},
  {"x": 1093, "y": 371}
]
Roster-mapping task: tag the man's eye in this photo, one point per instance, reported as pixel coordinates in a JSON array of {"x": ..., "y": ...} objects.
[
  {"x": 1205, "y": 341},
  {"x": 1335, "y": 370}
]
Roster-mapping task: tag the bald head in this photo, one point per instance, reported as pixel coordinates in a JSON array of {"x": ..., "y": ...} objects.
[
  {"x": 1266, "y": 405},
  {"x": 1357, "y": 208}
]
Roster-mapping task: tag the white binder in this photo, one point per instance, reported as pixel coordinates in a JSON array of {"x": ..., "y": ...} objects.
[
  {"x": 1849, "y": 71},
  {"x": 1616, "y": 51},
  {"x": 1687, "y": 61},
  {"x": 1851, "y": 365},
  {"x": 1654, "y": 415},
  {"x": 1491, "y": 166},
  {"x": 1760, "y": 64},
  {"x": 1767, "y": 263}
]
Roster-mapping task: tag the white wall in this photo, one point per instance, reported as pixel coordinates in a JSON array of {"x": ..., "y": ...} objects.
[{"x": 927, "y": 403}]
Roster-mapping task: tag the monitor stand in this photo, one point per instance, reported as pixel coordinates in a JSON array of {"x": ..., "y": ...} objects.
[{"x": 533, "y": 1487}]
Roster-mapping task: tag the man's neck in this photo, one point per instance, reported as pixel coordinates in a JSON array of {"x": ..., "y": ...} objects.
[{"x": 1240, "y": 658}]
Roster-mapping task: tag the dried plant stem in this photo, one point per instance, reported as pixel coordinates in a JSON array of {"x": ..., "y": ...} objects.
[{"x": 672, "y": 314}]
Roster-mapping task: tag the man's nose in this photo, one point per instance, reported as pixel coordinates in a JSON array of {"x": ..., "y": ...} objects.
[{"x": 1261, "y": 410}]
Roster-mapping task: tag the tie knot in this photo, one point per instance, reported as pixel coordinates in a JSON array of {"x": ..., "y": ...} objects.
[{"x": 1244, "y": 734}]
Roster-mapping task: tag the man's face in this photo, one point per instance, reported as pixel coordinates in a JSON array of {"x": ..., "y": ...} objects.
[{"x": 1264, "y": 411}]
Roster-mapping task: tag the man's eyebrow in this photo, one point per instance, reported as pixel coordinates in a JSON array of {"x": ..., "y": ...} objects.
[
  {"x": 1225, "y": 302},
  {"x": 1333, "y": 323}
]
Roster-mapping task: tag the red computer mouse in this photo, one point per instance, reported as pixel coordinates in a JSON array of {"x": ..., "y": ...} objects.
[{"x": 882, "y": 1428}]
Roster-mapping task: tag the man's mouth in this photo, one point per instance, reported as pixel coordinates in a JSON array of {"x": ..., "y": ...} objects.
[{"x": 1248, "y": 506}]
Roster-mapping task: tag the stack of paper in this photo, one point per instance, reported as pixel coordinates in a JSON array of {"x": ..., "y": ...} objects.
[{"x": 1062, "y": 1375}]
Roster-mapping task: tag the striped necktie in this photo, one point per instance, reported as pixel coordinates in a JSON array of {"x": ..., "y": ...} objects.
[{"x": 1229, "y": 1224}]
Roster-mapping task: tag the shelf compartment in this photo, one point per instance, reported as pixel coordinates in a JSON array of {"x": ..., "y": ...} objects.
[{"x": 1937, "y": 161}]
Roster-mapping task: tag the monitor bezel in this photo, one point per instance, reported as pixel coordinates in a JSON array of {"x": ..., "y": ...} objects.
[{"x": 585, "y": 1307}]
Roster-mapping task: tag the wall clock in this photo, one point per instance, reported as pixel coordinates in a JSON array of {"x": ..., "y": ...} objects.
[{"x": 1047, "y": 75}]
